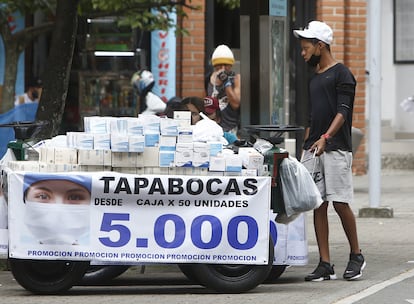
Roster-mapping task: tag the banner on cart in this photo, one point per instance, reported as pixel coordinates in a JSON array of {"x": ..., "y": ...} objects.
[{"x": 108, "y": 216}]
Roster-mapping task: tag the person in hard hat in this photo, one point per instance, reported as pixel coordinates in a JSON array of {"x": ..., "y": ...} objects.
[
  {"x": 224, "y": 84},
  {"x": 143, "y": 82}
]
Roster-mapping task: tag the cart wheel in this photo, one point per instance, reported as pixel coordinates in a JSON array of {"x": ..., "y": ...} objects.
[
  {"x": 228, "y": 278},
  {"x": 189, "y": 271},
  {"x": 275, "y": 273},
  {"x": 97, "y": 274},
  {"x": 47, "y": 277}
]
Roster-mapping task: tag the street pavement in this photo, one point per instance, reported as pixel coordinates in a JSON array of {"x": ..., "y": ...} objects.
[{"x": 387, "y": 244}]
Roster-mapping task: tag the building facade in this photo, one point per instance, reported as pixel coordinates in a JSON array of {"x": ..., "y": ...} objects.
[{"x": 346, "y": 17}]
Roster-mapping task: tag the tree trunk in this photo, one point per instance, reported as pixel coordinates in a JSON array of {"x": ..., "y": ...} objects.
[
  {"x": 14, "y": 45},
  {"x": 56, "y": 76},
  {"x": 11, "y": 60}
]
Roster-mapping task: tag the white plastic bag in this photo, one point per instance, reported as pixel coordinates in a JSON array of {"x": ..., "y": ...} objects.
[
  {"x": 300, "y": 193},
  {"x": 208, "y": 130}
]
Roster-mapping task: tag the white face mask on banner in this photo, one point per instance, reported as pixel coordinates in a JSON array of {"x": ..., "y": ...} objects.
[{"x": 57, "y": 223}]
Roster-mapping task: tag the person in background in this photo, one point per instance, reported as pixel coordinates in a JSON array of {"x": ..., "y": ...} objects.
[
  {"x": 328, "y": 146},
  {"x": 224, "y": 84},
  {"x": 173, "y": 104},
  {"x": 195, "y": 105},
  {"x": 212, "y": 110},
  {"x": 32, "y": 94},
  {"x": 149, "y": 103}
]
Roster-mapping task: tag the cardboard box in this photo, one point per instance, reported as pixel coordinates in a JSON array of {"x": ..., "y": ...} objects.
[
  {"x": 128, "y": 170},
  {"x": 151, "y": 157},
  {"x": 95, "y": 157},
  {"x": 185, "y": 135},
  {"x": 66, "y": 155},
  {"x": 167, "y": 155},
  {"x": 47, "y": 155},
  {"x": 156, "y": 170},
  {"x": 215, "y": 148},
  {"x": 29, "y": 166},
  {"x": 140, "y": 160},
  {"x": 249, "y": 172},
  {"x": 251, "y": 158},
  {"x": 217, "y": 163},
  {"x": 184, "y": 154},
  {"x": 168, "y": 140},
  {"x": 233, "y": 163},
  {"x": 152, "y": 139},
  {"x": 91, "y": 168},
  {"x": 66, "y": 167},
  {"x": 124, "y": 159},
  {"x": 183, "y": 118}
]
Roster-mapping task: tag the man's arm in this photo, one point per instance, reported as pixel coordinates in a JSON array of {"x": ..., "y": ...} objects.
[{"x": 233, "y": 93}]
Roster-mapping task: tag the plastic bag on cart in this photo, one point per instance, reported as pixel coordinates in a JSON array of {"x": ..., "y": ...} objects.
[
  {"x": 208, "y": 130},
  {"x": 300, "y": 192}
]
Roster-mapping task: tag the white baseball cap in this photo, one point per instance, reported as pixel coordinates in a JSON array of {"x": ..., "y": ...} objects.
[{"x": 316, "y": 30}]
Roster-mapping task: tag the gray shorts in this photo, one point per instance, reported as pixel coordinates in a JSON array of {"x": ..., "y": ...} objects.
[{"x": 332, "y": 173}]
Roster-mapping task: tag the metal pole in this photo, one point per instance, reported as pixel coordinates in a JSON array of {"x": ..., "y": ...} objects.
[{"x": 374, "y": 142}]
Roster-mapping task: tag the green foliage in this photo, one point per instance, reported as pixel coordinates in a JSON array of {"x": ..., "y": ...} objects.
[
  {"x": 27, "y": 6},
  {"x": 137, "y": 13},
  {"x": 134, "y": 13},
  {"x": 230, "y": 4}
]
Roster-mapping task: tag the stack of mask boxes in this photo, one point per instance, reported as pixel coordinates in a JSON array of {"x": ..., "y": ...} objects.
[{"x": 146, "y": 144}]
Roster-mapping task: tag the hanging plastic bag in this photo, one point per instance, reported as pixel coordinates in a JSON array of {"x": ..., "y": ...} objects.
[{"x": 300, "y": 193}]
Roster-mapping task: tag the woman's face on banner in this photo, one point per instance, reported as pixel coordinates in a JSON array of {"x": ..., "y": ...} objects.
[{"x": 58, "y": 192}]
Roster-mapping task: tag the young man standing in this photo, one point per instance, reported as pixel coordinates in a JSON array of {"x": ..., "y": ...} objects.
[{"x": 328, "y": 146}]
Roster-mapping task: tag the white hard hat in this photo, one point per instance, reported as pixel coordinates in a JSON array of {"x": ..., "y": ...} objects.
[{"x": 222, "y": 55}]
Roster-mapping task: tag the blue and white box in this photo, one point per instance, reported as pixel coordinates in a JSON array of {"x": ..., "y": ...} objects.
[
  {"x": 216, "y": 148},
  {"x": 102, "y": 141},
  {"x": 167, "y": 156},
  {"x": 168, "y": 127},
  {"x": 201, "y": 154},
  {"x": 136, "y": 143},
  {"x": 184, "y": 154},
  {"x": 84, "y": 140},
  {"x": 135, "y": 126},
  {"x": 119, "y": 142}
]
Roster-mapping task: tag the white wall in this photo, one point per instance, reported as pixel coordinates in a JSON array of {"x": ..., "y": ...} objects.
[{"x": 397, "y": 79}]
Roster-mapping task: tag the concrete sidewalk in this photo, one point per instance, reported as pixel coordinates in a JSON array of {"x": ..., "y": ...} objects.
[
  {"x": 397, "y": 191},
  {"x": 384, "y": 240}
]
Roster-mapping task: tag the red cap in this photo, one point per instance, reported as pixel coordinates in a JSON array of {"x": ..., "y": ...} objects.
[{"x": 211, "y": 105}]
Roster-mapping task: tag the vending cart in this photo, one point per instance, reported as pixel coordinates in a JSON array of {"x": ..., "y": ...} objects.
[{"x": 80, "y": 205}]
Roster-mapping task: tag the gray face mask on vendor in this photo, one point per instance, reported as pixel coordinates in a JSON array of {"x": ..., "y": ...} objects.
[{"x": 57, "y": 224}]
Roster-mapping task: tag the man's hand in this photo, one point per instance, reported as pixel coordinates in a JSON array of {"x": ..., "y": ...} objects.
[{"x": 319, "y": 146}]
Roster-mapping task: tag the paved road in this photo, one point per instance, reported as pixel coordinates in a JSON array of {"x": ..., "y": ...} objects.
[{"x": 386, "y": 242}]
